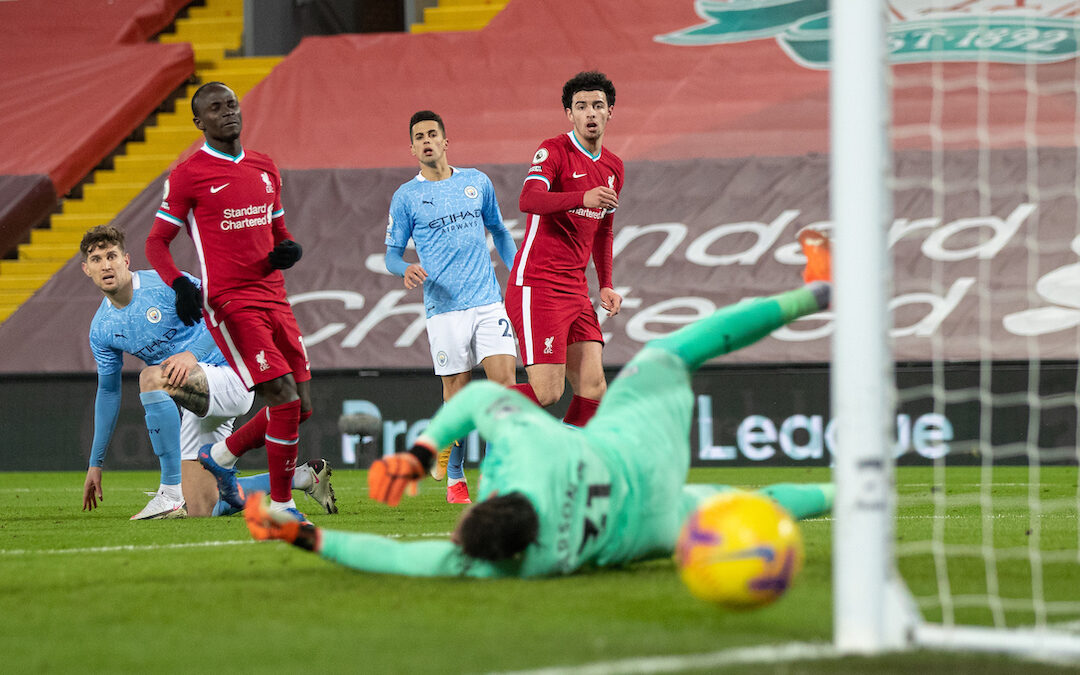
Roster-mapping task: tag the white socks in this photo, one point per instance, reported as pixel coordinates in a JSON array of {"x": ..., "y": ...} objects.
[
  {"x": 219, "y": 452},
  {"x": 281, "y": 506},
  {"x": 303, "y": 478},
  {"x": 173, "y": 492}
]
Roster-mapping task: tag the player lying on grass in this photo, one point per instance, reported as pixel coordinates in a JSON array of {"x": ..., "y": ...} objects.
[
  {"x": 183, "y": 367},
  {"x": 552, "y": 498}
]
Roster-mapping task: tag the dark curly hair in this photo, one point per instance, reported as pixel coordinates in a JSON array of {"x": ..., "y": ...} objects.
[
  {"x": 590, "y": 80},
  {"x": 498, "y": 528},
  {"x": 101, "y": 236},
  {"x": 426, "y": 116}
]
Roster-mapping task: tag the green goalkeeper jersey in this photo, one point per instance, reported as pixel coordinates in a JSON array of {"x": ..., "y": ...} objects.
[
  {"x": 604, "y": 494},
  {"x": 607, "y": 494}
]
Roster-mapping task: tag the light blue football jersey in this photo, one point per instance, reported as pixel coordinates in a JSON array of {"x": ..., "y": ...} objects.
[
  {"x": 147, "y": 328},
  {"x": 448, "y": 222}
]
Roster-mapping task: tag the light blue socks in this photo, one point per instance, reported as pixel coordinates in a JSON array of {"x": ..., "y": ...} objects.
[{"x": 163, "y": 424}]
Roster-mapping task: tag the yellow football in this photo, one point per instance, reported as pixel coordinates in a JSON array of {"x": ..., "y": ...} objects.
[{"x": 740, "y": 550}]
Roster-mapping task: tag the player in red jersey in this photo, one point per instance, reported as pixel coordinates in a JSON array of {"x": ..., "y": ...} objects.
[
  {"x": 569, "y": 196},
  {"x": 229, "y": 199}
]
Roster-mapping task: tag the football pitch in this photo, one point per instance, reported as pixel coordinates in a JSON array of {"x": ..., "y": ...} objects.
[{"x": 95, "y": 592}]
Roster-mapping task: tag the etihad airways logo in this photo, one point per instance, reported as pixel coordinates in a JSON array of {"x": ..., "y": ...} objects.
[{"x": 1005, "y": 31}]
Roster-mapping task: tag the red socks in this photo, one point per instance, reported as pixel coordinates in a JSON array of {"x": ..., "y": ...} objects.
[
  {"x": 250, "y": 436},
  {"x": 581, "y": 410},
  {"x": 253, "y": 434},
  {"x": 282, "y": 436},
  {"x": 526, "y": 388}
]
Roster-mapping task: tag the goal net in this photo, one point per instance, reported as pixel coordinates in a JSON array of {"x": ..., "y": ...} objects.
[{"x": 955, "y": 187}]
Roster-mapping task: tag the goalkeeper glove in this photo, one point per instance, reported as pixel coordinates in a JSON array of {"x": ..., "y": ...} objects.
[
  {"x": 265, "y": 524},
  {"x": 188, "y": 301},
  {"x": 285, "y": 254},
  {"x": 389, "y": 477}
]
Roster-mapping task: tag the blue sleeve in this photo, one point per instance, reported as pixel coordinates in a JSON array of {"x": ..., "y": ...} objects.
[
  {"x": 399, "y": 225},
  {"x": 106, "y": 411},
  {"x": 202, "y": 346},
  {"x": 395, "y": 264},
  {"x": 504, "y": 244},
  {"x": 493, "y": 221}
]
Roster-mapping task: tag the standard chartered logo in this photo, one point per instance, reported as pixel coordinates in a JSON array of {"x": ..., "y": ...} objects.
[{"x": 255, "y": 215}]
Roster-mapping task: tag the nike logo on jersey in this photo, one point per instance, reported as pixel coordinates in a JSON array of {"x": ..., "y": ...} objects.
[
  {"x": 424, "y": 201},
  {"x": 214, "y": 190},
  {"x": 578, "y": 175}
]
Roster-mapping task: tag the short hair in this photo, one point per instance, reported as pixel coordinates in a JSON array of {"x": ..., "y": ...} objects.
[
  {"x": 101, "y": 236},
  {"x": 199, "y": 92},
  {"x": 426, "y": 116},
  {"x": 589, "y": 80},
  {"x": 498, "y": 528}
]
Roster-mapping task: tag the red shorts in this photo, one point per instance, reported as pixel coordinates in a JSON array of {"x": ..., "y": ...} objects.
[
  {"x": 262, "y": 344},
  {"x": 547, "y": 319}
]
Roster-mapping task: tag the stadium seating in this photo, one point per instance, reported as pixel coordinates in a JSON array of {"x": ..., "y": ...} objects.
[
  {"x": 211, "y": 30},
  {"x": 458, "y": 15}
]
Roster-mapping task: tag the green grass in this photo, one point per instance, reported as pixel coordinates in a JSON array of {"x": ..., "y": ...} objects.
[{"x": 94, "y": 592}]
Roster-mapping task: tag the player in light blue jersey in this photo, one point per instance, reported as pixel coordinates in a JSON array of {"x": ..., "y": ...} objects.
[
  {"x": 184, "y": 366},
  {"x": 447, "y": 212}
]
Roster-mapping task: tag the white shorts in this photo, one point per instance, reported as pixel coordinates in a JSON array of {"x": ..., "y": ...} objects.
[
  {"x": 461, "y": 340},
  {"x": 229, "y": 398}
]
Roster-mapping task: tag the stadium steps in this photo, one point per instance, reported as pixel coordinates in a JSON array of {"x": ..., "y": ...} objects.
[
  {"x": 458, "y": 15},
  {"x": 213, "y": 30}
]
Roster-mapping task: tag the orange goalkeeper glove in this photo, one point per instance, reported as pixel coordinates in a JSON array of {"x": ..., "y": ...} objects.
[
  {"x": 389, "y": 477},
  {"x": 265, "y": 524}
]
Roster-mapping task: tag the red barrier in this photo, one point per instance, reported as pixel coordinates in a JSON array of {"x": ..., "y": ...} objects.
[{"x": 73, "y": 92}]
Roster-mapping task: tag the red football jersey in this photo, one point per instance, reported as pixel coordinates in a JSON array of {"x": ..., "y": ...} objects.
[
  {"x": 557, "y": 245},
  {"x": 231, "y": 207}
]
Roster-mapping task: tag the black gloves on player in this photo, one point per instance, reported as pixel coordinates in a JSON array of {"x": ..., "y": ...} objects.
[
  {"x": 188, "y": 301},
  {"x": 285, "y": 254}
]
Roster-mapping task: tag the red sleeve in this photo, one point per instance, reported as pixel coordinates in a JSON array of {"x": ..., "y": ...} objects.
[
  {"x": 601, "y": 250},
  {"x": 535, "y": 198},
  {"x": 157, "y": 250},
  {"x": 277, "y": 224},
  {"x": 281, "y": 233}
]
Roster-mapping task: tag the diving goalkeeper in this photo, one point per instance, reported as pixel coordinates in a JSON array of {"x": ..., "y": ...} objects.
[{"x": 554, "y": 499}]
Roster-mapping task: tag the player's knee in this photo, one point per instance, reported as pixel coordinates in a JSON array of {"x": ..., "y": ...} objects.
[
  {"x": 594, "y": 389},
  {"x": 152, "y": 378},
  {"x": 549, "y": 394}
]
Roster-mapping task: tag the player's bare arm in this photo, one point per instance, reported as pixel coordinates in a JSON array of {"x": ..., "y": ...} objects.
[
  {"x": 92, "y": 489},
  {"x": 415, "y": 276},
  {"x": 178, "y": 367},
  {"x": 601, "y": 197},
  {"x": 610, "y": 301}
]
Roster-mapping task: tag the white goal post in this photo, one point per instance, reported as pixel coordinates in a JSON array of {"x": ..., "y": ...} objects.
[{"x": 873, "y": 609}]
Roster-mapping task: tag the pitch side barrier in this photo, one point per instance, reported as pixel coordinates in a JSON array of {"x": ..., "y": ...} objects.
[{"x": 743, "y": 416}]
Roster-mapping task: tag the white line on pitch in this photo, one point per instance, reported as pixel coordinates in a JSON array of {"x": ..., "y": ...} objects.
[
  {"x": 795, "y": 651},
  {"x": 162, "y": 547},
  {"x": 129, "y": 547}
]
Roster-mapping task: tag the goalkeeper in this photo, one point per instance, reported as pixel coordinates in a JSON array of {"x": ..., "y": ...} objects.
[{"x": 554, "y": 499}]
